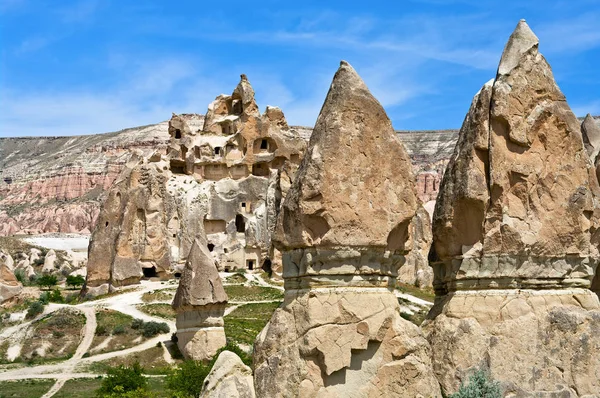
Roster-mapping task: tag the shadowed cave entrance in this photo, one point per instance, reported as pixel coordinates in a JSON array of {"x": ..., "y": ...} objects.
[{"x": 149, "y": 272}]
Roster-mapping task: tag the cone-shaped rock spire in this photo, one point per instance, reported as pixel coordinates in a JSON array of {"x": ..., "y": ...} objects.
[
  {"x": 513, "y": 238},
  {"x": 200, "y": 283},
  {"x": 343, "y": 232},
  {"x": 355, "y": 185}
]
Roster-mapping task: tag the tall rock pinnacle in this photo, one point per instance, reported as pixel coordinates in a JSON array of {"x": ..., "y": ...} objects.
[
  {"x": 344, "y": 232},
  {"x": 514, "y": 247}
]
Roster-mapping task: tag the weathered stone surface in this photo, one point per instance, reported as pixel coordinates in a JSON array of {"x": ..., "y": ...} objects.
[
  {"x": 200, "y": 303},
  {"x": 514, "y": 246},
  {"x": 49, "y": 262},
  {"x": 343, "y": 232},
  {"x": 416, "y": 270},
  {"x": 591, "y": 137},
  {"x": 132, "y": 233},
  {"x": 516, "y": 201},
  {"x": 9, "y": 285},
  {"x": 229, "y": 378}
]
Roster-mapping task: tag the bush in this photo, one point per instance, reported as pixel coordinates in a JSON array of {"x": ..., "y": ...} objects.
[
  {"x": 230, "y": 346},
  {"x": 479, "y": 386},
  {"x": 122, "y": 380},
  {"x": 119, "y": 329},
  {"x": 21, "y": 277},
  {"x": 101, "y": 330},
  {"x": 47, "y": 281},
  {"x": 187, "y": 379},
  {"x": 44, "y": 298},
  {"x": 34, "y": 309},
  {"x": 151, "y": 329},
  {"x": 137, "y": 324},
  {"x": 75, "y": 281},
  {"x": 56, "y": 296}
]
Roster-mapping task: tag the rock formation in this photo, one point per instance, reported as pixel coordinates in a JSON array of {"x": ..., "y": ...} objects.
[
  {"x": 514, "y": 239},
  {"x": 200, "y": 303},
  {"x": 344, "y": 231},
  {"x": 131, "y": 239},
  {"x": 9, "y": 285},
  {"x": 591, "y": 136},
  {"x": 229, "y": 378}
]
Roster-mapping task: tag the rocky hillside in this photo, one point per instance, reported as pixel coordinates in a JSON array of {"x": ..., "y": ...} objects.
[{"x": 56, "y": 184}]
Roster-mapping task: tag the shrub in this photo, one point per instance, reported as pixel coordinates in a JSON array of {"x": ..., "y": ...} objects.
[
  {"x": 119, "y": 329},
  {"x": 101, "y": 330},
  {"x": 479, "y": 386},
  {"x": 44, "y": 298},
  {"x": 47, "y": 281},
  {"x": 186, "y": 380},
  {"x": 151, "y": 329},
  {"x": 34, "y": 309},
  {"x": 21, "y": 277},
  {"x": 123, "y": 380},
  {"x": 75, "y": 281},
  {"x": 56, "y": 296},
  {"x": 137, "y": 324},
  {"x": 231, "y": 346}
]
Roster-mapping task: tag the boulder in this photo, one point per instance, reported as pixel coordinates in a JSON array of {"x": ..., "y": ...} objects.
[
  {"x": 9, "y": 285},
  {"x": 229, "y": 378},
  {"x": 343, "y": 231},
  {"x": 200, "y": 303},
  {"x": 49, "y": 262},
  {"x": 514, "y": 239}
]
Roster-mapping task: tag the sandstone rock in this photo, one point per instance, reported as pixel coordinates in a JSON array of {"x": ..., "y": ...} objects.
[
  {"x": 229, "y": 378},
  {"x": 7, "y": 260},
  {"x": 513, "y": 239},
  {"x": 9, "y": 285},
  {"x": 344, "y": 232},
  {"x": 131, "y": 239},
  {"x": 49, "y": 262},
  {"x": 591, "y": 136},
  {"x": 200, "y": 303},
  {"x": 416, "y": 270}
]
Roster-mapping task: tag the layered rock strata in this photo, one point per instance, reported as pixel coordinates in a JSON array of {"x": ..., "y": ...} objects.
[
  {"x": 200, "y": 303},
  {"x": 343, "y": 232},
  {"x": 514, "y": 239}
]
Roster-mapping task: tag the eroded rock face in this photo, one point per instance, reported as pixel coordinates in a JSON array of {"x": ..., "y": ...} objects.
[
  {"x": 9, "y": 285},
  {"x": 344, "y": 231},
  {"x": 229, "y": 378},
  {"x": 514, "y": 248},
  {"x": 200, "y": 303},
  {"x": 131, "y": 239},
  {"x": 591, "y": 136}
]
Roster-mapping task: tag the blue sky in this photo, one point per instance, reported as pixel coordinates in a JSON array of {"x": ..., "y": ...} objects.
[{"x": 90, "y": 66}]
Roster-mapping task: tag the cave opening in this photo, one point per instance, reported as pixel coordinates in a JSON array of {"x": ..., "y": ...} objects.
[
  {"x": 250, "y": 264},
  {"x": 211, "y": 247},
  {"x": 149, "y": 272},
  {"x": 240, "y": 223},
  {"x": 177, "y": 134}
]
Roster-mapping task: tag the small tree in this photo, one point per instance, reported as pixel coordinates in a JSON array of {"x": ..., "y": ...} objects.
[
  {"x": 47, "y": 281},
  {"x": 187, "y": 379},
  {"x": 123, "y": 381},
  {"x": 480, "y": 385},
  {"x": 34, "y": 309},
  {"x": 75, "y": 281}
]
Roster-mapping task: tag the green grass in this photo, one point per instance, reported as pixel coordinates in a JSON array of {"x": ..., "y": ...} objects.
[
  {"x": 106, "y": 323},
  {"x": 252, "y": 293},
  {"x": 25, "y": 388},
  {"x": 160, "y": 310},
  {"x": 158, "y": 295},
  {"x": 423, "y": 294},
  {"x": 86, "y": 388},
  {"x": 151, "y": 360},
  {"x": 236, "y": 278},
  {"x": 109, "y": 319},
  {"x": 245, "y": 323}
]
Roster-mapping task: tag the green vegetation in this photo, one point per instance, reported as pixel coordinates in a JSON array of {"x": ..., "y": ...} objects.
[
  {"x": 47, "y": 281},
  {"x": 187, "y": 379},
  {"x": 243, "y": 324},
  {"x": 480, "y": 385},
  {"x": 158, "y": 295},
  {"x": 54, "y": 336},
  {"x": 151, "y": 329},
  {"x": 252, "y": 293},
  {"x": 423, "y": 294},
  {"x": 35, "y": 308},
  {"x": 121, "y": 380},
  {"x": 24, "y": 388},
  {"x": 75, "y": 281},
  {"x": 85, "y": 388},
  {"x": 236, "y": 278},
  {"x": 151, "y": 360},
  {"x": 115, "y": 327},
  {"x": 160, "y": 310}
]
